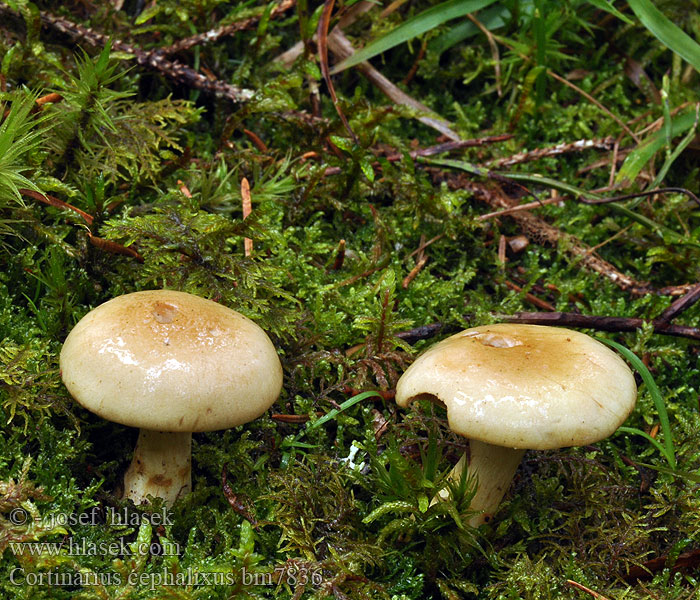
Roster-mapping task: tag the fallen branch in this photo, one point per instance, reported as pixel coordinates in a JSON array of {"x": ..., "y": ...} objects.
[
  {"x": 543, "y": 233},
  {"x": 341, "y": 47},
  {"x": 152, "y": 60},
  {"x": 683, "y": 303}
]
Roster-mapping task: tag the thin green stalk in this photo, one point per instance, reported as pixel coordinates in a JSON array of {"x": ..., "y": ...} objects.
[
  {"x": 332, "y": 414},
  {"x": 669, "y": 450}
]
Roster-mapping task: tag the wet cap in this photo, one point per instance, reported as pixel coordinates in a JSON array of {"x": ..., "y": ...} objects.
[
  {"x": 524, "y": 386},
  {"x": 171, "y": 361}
]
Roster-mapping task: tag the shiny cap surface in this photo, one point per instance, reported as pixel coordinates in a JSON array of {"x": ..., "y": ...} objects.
[
  {"x": 170, "y": 361},
  {"x": 524, "y": 386}
]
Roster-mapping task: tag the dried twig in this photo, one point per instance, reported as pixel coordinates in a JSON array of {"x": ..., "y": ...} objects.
[
  {"x": 519, "y": 207},
  {"x": 214, "y": 35},
  {"x": 683, "y": 303},
  {"x": 342, "y": 48},
  {"x": 542, "y": 232},
  {"x": 416, "y": 63},
  {"x": 529, "y": 156},
  {"x": 175, "y": 71},
  {"x": 494, "y": 51},
  {"x": 424, "y": 245},
  {"x": 592, "y": 100},
  {"x": 420, "y": 263},
  {"x": 565, "y": 319},
  {"x": 583, "y": 588},
  {"x": 323, "y": 42},
  {"x": 501, "y": 256},
  {"x": 531, "y": 298}
]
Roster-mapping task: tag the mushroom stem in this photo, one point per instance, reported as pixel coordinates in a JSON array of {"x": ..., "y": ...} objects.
[
  {"x": 494, "y": 467},
  {"x": 161, "y": 467}
]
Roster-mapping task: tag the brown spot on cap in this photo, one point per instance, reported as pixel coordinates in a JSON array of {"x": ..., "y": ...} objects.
[
  {"x": 524, "y": 386},
  {"x": 157, "y": 359},
  {"x": 164, "y": 312}
]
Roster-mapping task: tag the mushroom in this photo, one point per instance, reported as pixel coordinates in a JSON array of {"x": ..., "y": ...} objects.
[
  {"x": 511, "y": 387},
  {"x": 171, "y": 364}
]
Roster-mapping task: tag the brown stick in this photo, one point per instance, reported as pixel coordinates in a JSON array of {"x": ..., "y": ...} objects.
[
  {"x": 322, "y": 42},
  {"x": 420, "y": 263},
  {"x": 678, "y": 306},
  {"x": 341, "y": 47},
  {"x": 542, "y": 232},
  {"x": 531, "y": 298},
  {"x": 150, "y": 60},
  {"x": 564, "y": 319},
  {"x": 577, "y": 146},
  {"x": 583, "y": 588},
  {"x": 214, "y": 35},
  {"x": 517, "y": 208}
]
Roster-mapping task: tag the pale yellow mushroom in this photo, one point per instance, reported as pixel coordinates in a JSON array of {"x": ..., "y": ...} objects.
[
  {"x": 511, "y": 387},
  {"x": 171, "y": 364}
]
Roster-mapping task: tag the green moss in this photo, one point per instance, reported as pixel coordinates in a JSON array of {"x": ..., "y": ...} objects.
[{"x": 158, "y": 166}]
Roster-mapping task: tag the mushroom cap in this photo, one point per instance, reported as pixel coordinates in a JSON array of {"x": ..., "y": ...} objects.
[
  {"x": 171, "y": 361},
  {"x": 524, "y": 386}
]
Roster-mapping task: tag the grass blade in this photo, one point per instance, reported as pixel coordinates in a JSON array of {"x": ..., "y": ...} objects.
[
  {"x": 425, "y": 21},
  {"x": 649, "y": 439},
  {"x": 636, "y": 159},
  {"x": 332, "y": 414},
  {"x": 607, "y": 6},
  {"x": 669, "y": 34},
  {"x": 648, "y": 379},
  {"x": 665, "y": 233},
  {"x": 493, "y": 18},
  {"x": 673, "y": 155}
]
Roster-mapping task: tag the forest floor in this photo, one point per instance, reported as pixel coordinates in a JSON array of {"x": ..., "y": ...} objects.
[{"x": 360, "y": 179}]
